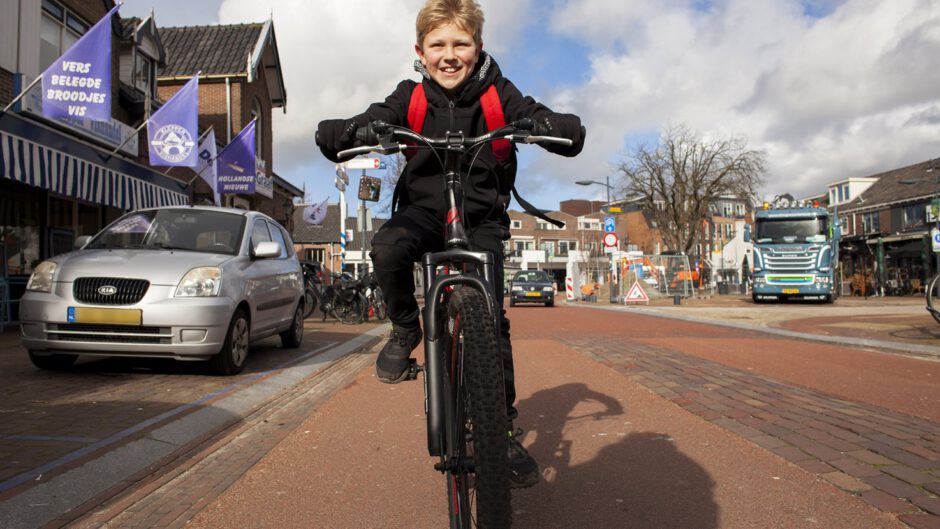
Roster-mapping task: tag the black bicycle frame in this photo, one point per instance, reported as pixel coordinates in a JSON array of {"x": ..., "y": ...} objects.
[{"x": 437, "y": 393}]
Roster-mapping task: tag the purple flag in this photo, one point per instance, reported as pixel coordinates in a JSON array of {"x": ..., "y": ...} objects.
[
  {"x": 78, "y": 84},
  {"x": 172, "y": 130},
  {"x": 235, "y": 166}
]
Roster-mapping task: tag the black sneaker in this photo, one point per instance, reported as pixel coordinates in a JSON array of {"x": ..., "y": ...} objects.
[
  {"x": 523, "y": 470},
  {"x": 391, "y": 367}
]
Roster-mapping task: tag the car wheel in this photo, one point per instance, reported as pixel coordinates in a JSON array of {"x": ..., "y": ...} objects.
[
  {"x": 231, "y": 359},
  {"x": 550, "y": 303},
  {"x": 54, "y": 362},
  {"x": 291, "y": 338},
  {"x": 512, "y": 303}
]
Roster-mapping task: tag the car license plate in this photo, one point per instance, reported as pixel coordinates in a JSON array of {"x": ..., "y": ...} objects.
[
  {"x": 532, "y": 294},
  {"x": 791, "y": 291},
  {"x": 108, "y": 316}
]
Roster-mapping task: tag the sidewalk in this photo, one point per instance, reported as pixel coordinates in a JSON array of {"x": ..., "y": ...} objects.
[{"x": 895, "y": 323}]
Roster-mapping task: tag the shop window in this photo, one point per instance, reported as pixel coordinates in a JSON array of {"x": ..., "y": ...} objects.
[
  {"x": 58, "y": 30},
  {"x": 19, "y": 230}
]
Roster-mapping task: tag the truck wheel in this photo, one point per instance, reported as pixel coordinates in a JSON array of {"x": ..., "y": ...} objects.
[
  {"x": 756, "y": 299},
  {"x": 829, "y": 299}
]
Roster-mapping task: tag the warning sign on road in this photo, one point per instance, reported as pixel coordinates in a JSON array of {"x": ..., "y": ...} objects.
[{"x": 636, "y": 294}]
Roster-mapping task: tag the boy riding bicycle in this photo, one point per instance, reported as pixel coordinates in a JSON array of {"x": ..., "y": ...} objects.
[{"x": 457, "y": 96}]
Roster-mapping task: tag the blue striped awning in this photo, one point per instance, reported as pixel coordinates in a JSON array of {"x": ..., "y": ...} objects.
[{"x": 37, "y": 165}]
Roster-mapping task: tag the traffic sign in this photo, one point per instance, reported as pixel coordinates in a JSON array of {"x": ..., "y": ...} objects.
[
  {"x": 365, "y": 163},
  {"x": 636, "y": 294},
  {"x": 610, "y": 225},
  {"x": 935, "y": 238},
  {"x": 610, "y": 240},
  {"x": 341, "y": 175}
]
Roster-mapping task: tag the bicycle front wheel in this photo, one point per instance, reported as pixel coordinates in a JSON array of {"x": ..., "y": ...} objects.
[
  {"x": 351, "y": 311},
  {"x": 477, "y": 442},
  {"x": 933, "y": 297}
]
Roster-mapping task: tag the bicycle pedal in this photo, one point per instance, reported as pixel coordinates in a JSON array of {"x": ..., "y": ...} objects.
[{"x": 413, "y": 369}]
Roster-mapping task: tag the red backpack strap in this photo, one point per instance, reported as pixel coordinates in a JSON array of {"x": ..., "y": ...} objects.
[
  {"x": 417, "y": 111},
  {"x": 495, "y": 118}
]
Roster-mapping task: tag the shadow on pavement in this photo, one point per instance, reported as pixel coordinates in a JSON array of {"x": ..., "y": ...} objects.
[{"x": 597, "y": 473}]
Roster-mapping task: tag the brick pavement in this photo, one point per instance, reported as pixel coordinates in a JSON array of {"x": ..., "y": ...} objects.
[{"x": 888, "y": 459}]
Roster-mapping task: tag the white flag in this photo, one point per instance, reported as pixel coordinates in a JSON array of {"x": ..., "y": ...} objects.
[
  {"x": 206, "y": 165},
  {"x": 316, "y": 213}
]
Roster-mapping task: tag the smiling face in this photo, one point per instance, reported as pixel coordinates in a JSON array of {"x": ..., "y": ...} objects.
[{"x": 449, "y": 53}]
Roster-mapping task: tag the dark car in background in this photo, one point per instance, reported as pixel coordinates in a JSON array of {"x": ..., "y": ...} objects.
[{"x": 532, "y": 286}]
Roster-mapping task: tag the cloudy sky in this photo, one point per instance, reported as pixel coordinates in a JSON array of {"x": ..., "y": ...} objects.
[{"x": 828, "y": 88}]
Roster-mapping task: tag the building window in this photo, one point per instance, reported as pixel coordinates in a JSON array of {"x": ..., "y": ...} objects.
[
  {"x": 845, "y": 192},
  {"x": 589, "y": 224},
  {"x": 871, "y": 222},
  {"x": 58, "y": 30},
  {"x": 566, "y": 246},
  {"x": 915, "y": 216},
  {"x": 729, "y": 231},
  {"x": 846, "y": 227},
  {"x": 739, "y": 210},
  {"x": 726, "y": 210},
  {"x": 144, "y": 74},
  {"x": 516, "y": 225},
  {"x": 548, "y": 247},
  {"x": 542, "y": 225}
]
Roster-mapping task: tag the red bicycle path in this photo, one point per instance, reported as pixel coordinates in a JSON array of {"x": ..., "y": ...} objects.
[{"x": 618, "y": 447}]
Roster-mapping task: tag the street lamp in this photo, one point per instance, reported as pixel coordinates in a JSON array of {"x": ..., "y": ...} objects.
[{"x": 610, "y": 269}]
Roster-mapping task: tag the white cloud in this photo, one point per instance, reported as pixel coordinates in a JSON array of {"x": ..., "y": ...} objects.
[{"x": 852, "y": 93}]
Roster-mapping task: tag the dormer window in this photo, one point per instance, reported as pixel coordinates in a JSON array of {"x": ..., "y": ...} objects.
[{"x": 144, "y": 78}]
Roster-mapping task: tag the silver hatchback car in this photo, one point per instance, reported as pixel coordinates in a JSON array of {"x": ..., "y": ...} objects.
[{"x": 188, "y": 283}]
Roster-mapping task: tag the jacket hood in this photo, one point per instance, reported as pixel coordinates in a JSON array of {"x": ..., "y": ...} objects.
[{"x": 485, "y": 74}]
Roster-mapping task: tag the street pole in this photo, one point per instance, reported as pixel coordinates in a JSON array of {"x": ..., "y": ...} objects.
[{"x": 362, "y": 232}]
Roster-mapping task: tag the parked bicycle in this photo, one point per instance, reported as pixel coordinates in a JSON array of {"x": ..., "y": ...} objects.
[
  {"x": 375, "y": 301},
  {"x": 465, "y": 401},
  {"x": 933, "y": 295},
  {"x": 342, "y": 298}
]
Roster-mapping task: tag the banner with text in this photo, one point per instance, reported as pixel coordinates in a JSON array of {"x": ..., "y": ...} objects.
[
  {"x": 172, "y": 130},
  {"x": 235, "y": 167},
  {"x": 78, "y": 84},
  {"x": 206, "y": 165}
]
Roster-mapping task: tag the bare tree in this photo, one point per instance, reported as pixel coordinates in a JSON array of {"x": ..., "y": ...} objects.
[{"x": 679, "y": 179}]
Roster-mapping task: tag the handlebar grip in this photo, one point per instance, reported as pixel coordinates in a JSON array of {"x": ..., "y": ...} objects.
[
  {"x": 366, "y": 135},
  {"x": 540, "y": 129}
]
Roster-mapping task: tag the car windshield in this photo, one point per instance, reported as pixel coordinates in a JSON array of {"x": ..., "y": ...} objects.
[
  {"x": 174, "y": 229},
  {"x": 791, "y": 230},
  {"x": 531, "y": 276}
]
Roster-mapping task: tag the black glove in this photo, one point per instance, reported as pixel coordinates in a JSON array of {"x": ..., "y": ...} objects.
[
  {"x": 565, "y": 126},
  {"x": 334, "y": 135}
]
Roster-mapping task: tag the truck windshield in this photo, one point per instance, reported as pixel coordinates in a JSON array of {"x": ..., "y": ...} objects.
[{"x": 791, "y": 230}]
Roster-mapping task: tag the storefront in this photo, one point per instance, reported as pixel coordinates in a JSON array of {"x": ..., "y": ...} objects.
[{"x": 55, "y": 186}]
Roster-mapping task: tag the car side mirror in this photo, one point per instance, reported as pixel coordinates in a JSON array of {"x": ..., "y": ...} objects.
[
  {"x": 80, "y": 242},
  {"x": 266, "y": 250},
  {"x": 747, "y": 233}
]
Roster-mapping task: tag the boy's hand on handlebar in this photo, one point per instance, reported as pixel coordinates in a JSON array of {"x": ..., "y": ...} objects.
[
  {"x": 565, "y": 126},
  {"x": 334, "y": 135}
]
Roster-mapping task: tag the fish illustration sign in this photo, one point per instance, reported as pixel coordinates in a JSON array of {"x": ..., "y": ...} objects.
[{"x": 235, "y": 166}]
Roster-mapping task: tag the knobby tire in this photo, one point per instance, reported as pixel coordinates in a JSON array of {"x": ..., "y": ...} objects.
[
  {"x": 480, "y": 499},
  {"x": 933, "y": 295}
]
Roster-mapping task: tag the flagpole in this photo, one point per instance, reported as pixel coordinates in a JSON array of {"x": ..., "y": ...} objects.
[{"x": 21, "y": 94}]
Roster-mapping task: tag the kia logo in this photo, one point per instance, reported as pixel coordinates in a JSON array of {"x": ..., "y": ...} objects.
[{"x": 107, "y": 290}]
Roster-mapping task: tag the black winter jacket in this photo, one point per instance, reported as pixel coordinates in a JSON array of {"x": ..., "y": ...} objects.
[{"x": 487, "y": 191}]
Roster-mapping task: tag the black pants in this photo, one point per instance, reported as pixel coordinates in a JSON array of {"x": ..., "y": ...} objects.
[{"x": 409, "y": 234}]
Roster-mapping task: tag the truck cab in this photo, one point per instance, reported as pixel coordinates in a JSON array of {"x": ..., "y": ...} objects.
[{"x": 796, "y": 249}]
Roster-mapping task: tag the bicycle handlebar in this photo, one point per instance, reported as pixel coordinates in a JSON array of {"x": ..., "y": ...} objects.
[{"x": 381, "y": 137}]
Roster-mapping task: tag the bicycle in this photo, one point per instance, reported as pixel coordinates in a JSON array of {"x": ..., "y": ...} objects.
[
  {"x": 932, "y": 294},
  {"x": 374, "y": 298},
  {"x": 344, "y": 299},
  {"x": 465, "y": 401}
]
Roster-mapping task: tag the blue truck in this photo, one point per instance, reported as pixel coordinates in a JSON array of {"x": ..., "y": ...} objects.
[{"x": 796, "y": 253}]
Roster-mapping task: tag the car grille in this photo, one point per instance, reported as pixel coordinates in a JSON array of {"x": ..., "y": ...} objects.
[
  {"x": 128, "y": 291},
  {"x": 83, "y": 332}
]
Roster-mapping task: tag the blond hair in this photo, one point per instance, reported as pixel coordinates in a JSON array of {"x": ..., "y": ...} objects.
[{"x": 436, "y": 13}]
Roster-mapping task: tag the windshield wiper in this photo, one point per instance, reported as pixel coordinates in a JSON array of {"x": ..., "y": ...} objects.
[{"x": 165, "y": 246}]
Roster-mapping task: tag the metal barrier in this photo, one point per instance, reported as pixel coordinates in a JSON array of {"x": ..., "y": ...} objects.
[{"x": 660, "y": 276}]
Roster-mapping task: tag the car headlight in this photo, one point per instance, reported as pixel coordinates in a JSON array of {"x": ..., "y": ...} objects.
[
  {"x": 41, "y": 278},
  {"x": 547, "y": 289},
  {"x": 200, "y": 282},
  {"x": 516, "y": 289}
]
